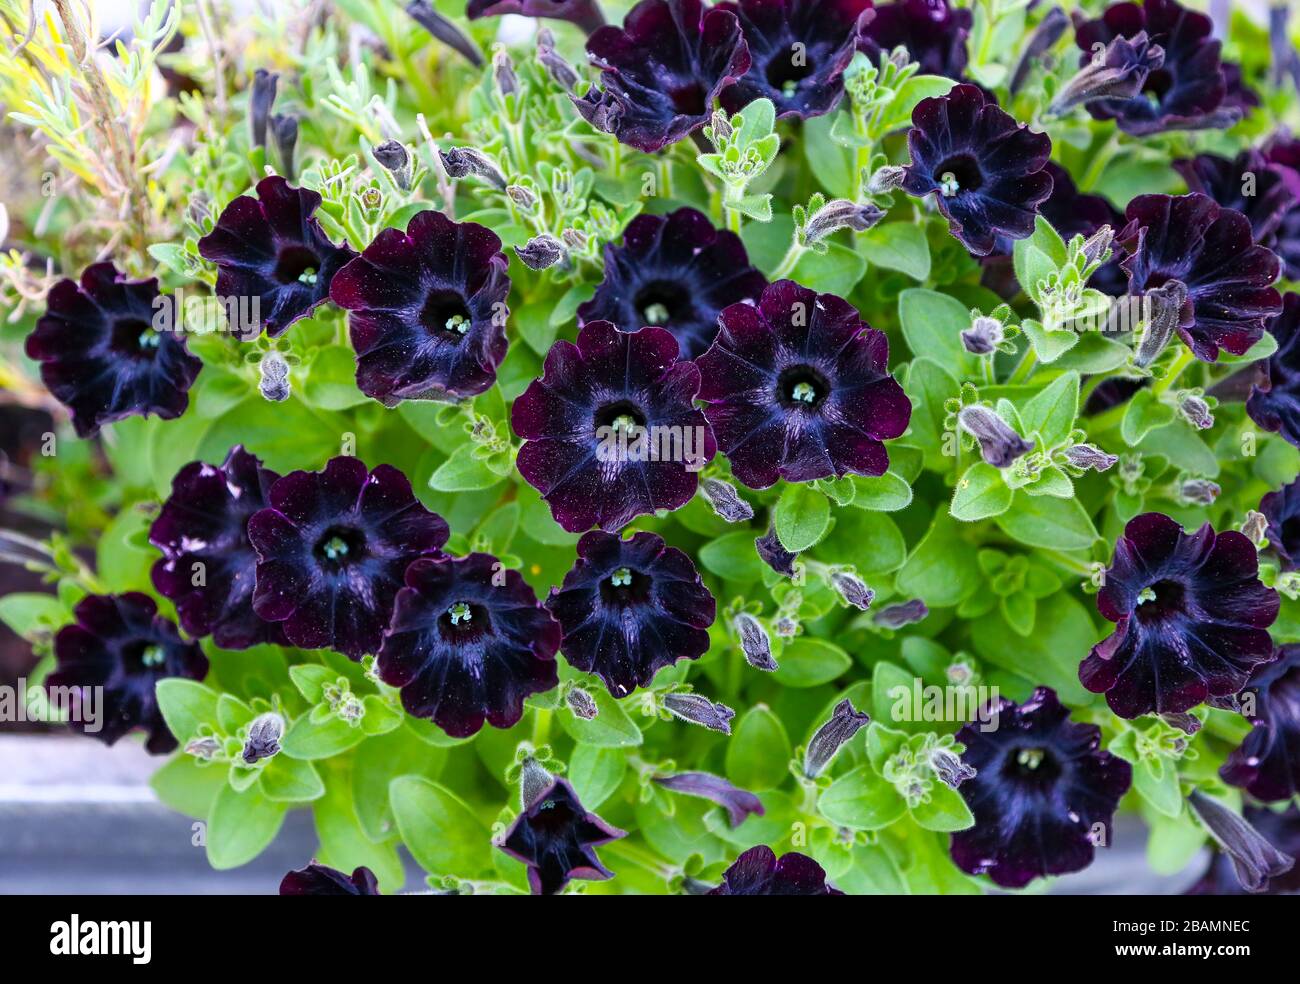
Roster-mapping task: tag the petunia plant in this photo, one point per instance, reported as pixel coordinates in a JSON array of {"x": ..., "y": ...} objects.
[{"x": 769, "y": 447}]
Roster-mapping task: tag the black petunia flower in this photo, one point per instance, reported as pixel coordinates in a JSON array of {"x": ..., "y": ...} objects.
[
  {"x": 1189, "y": 91},
  {"x": 610, "y": 430},
  {"x": 628, "y": 608},
  {"x": 986, "y": 172},
  {"x": 798, "y": 52},
  {"x": 122, "y": 644},
  {"x": 662, "y": 70},
  {"x": 1191, "y": 240},
  {"x": 759, "y": 872},
  {"x": 1272, "y": 194},
  {"x": 556, "y": 838},
  {"x": 332, "y": 549},
  {"x": 1191, "y": 618},
  {"x": 797, "y": 387},
  {"x": 427, "y": 310},
  {"x": 933, "y": 32},
  {"x": 270, "y": 251},
  {"x": 319, "y": 879},
  {"x": 1267, "y": 763},
  {"x": 1274, "y": 402},
  {"x": 1283, "y": 153},
  {"x": 1282, "y": 510},
  {"x": 1282, "y": 830},
  {"x": 1042, "y": 792},
  {"x": 208, "y": 566},
  {"x": 109, "y": 349},
  {"x": 673, "y": 271},
  {"x": 467, "y": 643},
  {"x": 585, "y": 13}
]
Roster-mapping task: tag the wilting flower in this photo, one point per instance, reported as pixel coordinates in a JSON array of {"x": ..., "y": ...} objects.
[
  {"x": 468, "y": 643},
  {"x": 984, "y": 170},
  {"x": 332, "y": 548},
  {"x": 460, "y": 162},
  {"x": 628, "y": 608},
  {"x": 649, "y": 101},
  {"x": 1267, "y": 763},
  {"x": 1188, "y": 91},
  {"x": 556, "y": 838},
  {"x": 739, "y": 803},
  {"x": 423, "y": 13},
  {"x": 1117, "y": 73},
  {"x": 759, "y": 872},
  {"x": 698, "y": 709},
  {"x": 271, "y": 252},
  {"x": 109, "y": 349},
  {"x": 677, "y": 272},
  {"x": 208, "y": 565},
  {"x": 1254, "y": 860},
  {"x": 1282, "y": 830},
  {"x": 426, "y": 310},
  {"x": 585, "y": 13},
  {"x": 1281, "y": 510},
  {"x": 319, "y": 879},
  {"x": 1191, "y": 241},
  {"x": 933, "y": 32},
  {"x": 1191, "y": 618},
  {"x": 798, "y": 52},
  {"x": 1274, "y": 402},
  {"x": 122, "y": 644},
  {"x": 845, "y": 722},
  {"x": 1271, "y": 196},
  {"x": 797, "y": 387},
  {"x": 1043, "y": 794},
  {"x": 611, "y": 432}
]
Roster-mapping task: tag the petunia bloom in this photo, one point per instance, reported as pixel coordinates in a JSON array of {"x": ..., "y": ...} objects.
[
  {"x": 1281, "y": 510},
  {"x": 1283, "y": 153},
  {"x": 1191, "y": 618},
  {"x": 1281, "y": 829},
  {"x": 274, "y": 262},
  {"x": 798, "y": 52},
  {"x": 468, "y": 643},
  {"x": 1043, "y": 794},
  {"x": 677, "y": 272},
  {"x": 985, "y": 171},
  {"x": 427, "y": 310},
  {"x": 556, "y": 837},
  {"x": 585, "y": 13},
  {"x": 662, "y": 70},
  {"x": 611, "y": 431},
  {"x": 1271, "y": 196},
  {"x": 121, "y": 644},
  {"x": 628, "y": 608},
  {"x": 1267, "y": 763},
  {"x": 109, "y": 349},
  {"x": 208, "y": 566},
  {"x": 1190, "y": 241},
  {"x": 759, "y": 871},
  {"x": 332, "y": 549},
  {"x": 933, "y": 32},
  {"x": 1274, "y": 402},
  {"x": 797, "y": 387},
  {"x": 319, "y": 879}
]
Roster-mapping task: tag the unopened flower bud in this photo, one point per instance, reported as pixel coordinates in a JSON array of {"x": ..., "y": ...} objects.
[
  {"x": 522, "y": 197},
  {"x": 837, "y": 214},
  {"x": 575, "y": 239},
  {"x": 534, "y": 781},
  {"x": 503, "y": 71},
  {"x": 422, "y": 12},
  {"x": 1119, "y": 73},
  {"x": 738, "y": 803},
  {"x": 285, "y": 130},
  {"x": 582, "y": 704},
  {"x": 983, "y": 336},
  {"x": 698, "y": 709},
  {"x": 392, "y": 157},
  {"x": 560, "y": 70},
  {"x": 852, "y": 589},
  {"x": 1096, "y": 246},
  {"x": 260, "y": 101},
  {"x": 774, "y": 554},
  {"x": 950, "y": 769},
  {"x": 1165, "y": 306},
  {"x": 721, "y": 127},
  {"x": 1087, "y": 456},
  {"x": 754, "y": 642},
  {"x": 460, "y": 162},
  {"x": 1254, "y": 859},
  {"x": 1196, "y": 412},
  {"x": 273, "y": 383},
  {"x": 785, "y": 627},
  {"x": 540, "y": 252},
  {"x": 904, "y": 613},
  {"x": 264, "y": 736},
  {"x": 205, "y": 748},
  {"x": 1256, "y": 528},
  {"x": 845, "y": 722},
  {"x": 886, "y": 179},
  {"x": 1044, "y": 38},
  {"x": 1189, "y": 724},
  {"x": 725, "y": 500},
  {"x": 999, "y": 444},
  {"x": 1199, "y": 491}
]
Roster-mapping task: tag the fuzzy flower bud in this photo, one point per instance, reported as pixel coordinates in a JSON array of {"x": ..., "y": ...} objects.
[
  {"x": 260, "y": 101},
  {"x": 1199, "y": 491},
  {"x": 698, "y": 709},
  {"x": 264, "y": 736},
  {"x": 522, "y": 197},
  {"x": 840, "y": 214},
  {"x": 534, "y": 780},
  {"x": 582, "y": 704},
  {"x": 950, "y": 769},
  {"x": 852, "y": 589},
  {"x": 459, "y": 162},
  {"x": 392, "y": 157},
  {"x": 845, "y": 722},
  {"x": 983, "y": 336},
  {"x": 1118, "y": 73},
  {"x": 540, "y": 252},
  {"x": 1256, "y": 528},
  {"x": 1165, "y": 304},
  {"x": 904, "y": 613},
  {"x": 1196, "y": 411},
  {"x": 422, "y": 12},
  {"x": 886, "y": 179},
  {"x": 560, "y": 70},
  {"x": 285, "y": 130},
  {"x": 575, "y": 239},
  {"x": 1254, "y": 859},
  {"x": 205, "y": 748},
  {"x": 1097, "y": 246},
  {"x": 999, "y": 444},
  {"x": 1044, "y": 38},
  {"x": 1087, "y": 456},
  {"x": 273, "y": 382},
  {"x": 503, "y": 71},
  {"x": 725, "y": 500},
  {"x": 754, "y": 642}
]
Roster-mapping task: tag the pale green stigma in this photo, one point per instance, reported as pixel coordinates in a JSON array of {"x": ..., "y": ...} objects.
[
  {"x": 148, "y": 339},
  {"x": 335, "y": 548},
  {"x": 1146, "y": 594},
  {"x": 624, "y": 422},
  {"x": 153, "y": 656},
  {"x": 948, "y": 185},
  {"x": 308, "y": 276},
  {"x": 656, "y": 314},
  {"x": 459, "y": 613},
  {"x": 458, "y": 323},
  {"x": 621, "y": 578},
  {"x": 1030, "y": 758},
  {"x": 803, "y": 392}
]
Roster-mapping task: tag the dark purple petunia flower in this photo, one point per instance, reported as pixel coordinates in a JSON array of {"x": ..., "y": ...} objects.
[
  {"x": 677, "y": 272},
  {"x": 1274, "y": 402},
  {"x": 319, "y": 879},
  {"x": 662, "y": 70},
  {"x": 427, "y": 310},
  {"x": 629, "y": 608},
  {"x": 208, "y": 566},
  {"x": 122, "y": 644},
  {"x": 610, "y": 430},
  {"x": 332, "y": 549},
  {"x": 1042, "y": 789},
  {"x": 798, "y": 52},
  {"x": 1188, "y": 91},
  {"x": 1267, "y": 763},
  {"x": 986, "y": 172},
  {"x": 759, "y": 872},
  {"x": 1070, "y": 211},
  {"x": 271, "y": 251},
  {"x": 109, "y": 349},
  {"x": 556, "y": 838},
  {"x": 933, "y": 32},
  {"x": 1284, "y": 154},
  {"x": 585, "y": 13},
  {"x": 738, "y": 803},
  {"x": 1271, "y": 194},
  {"x": 1191, "y": 618},
  {"x": 1282, "y": 830},
  {"x": 797, "y": 387},
  {"x": 1191, "y": 240},
  {"x": 1282, "y": 510},
  {"x": 468, "y": 642}
]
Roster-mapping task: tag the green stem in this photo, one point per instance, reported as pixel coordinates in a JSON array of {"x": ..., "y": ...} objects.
[
  {"x": 1185, "y": 358},
  {"x": 788, "y": 262},
  {"x": 541, "y": 727},
  {"x": 1069, "y": 563},
  {"x": 1098, "y": 163},
  {"x": 1025, "y": 369},
  {"x": 640, "y": 857}
]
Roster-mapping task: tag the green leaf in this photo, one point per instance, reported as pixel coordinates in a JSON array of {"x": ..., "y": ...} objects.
[
  {"x": 1051, "y": 654},
  {"x": 376, "y": 763},
  {"x": 935, "y": 571},
  {"x": 185, "y": 706},
  {"x": 945, "y": 810},
  {"x": 610, "y": 728},
  {"x": 758, "y": 754},
  {"x": 980, "y": 493},
  {"x": 441, "y": 832},
  {"x": 802, "y": 517},
  {"x": 1146, "y": 412},
  {"x": 889, "y": 685},
  {"x": 932, "y": 325},
  {"x": 343, "y": 841},
  {"x": 595, "y": 773},
  {"x": 901, "y": 246},
  {"x": 885, "y": 493},
  {"x": 306, "y": 739},
  {"x": 1044, "y": 521},
  {"x": 909, "y": 94},
  {"x": 733, "y": 556},
  {"x": 1049, "y": 346},
  {"x": 1156, "y": 781},
  {"x": 187, "y": 785},
  {"x": 291, "y": 780},
  {"x": 28, "y": 612},
  {"x": 861, "y": 800},
  {"x": 837, "y": 271},
  {"x": 331, "y": 379},
  {"x": 241, "y": 826},
  {"x": 870, "y": 541},
  {"x": 1051, "y": 412},
  {"x": 463, "y": 472},
  {"x": 808, "y": 661},
  {"x": 311, "y": 680}
]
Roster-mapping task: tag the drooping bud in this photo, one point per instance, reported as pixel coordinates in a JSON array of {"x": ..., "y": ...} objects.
[
  {"x": 698, "y": 709},
  {"x": 394, "y": 159},
  {"x": 983, "y": 336},
  {"x": 999, "y": 444},
  {"x": 950, "y": 769},
  {"x": 1165, "y": 304},
  {"x": 1045, "y": 36},
  {"x": 285, "y": 129},
  {"x": 1256, "y": 528},
  {"x": 837, "y": 214},
  {"x": 264, "y": 736},
  {"x": 273, "y": 381},
  {"x": 503, "y": 72},
  {"x": 205, "y": 748},
  {"x": 1254, "y": 859},
  {"x": 1118, "y": 73},
  {"x": 886, "y": 179},
  {"x": 1199, "y": 491},
  {"x": 560, "y": 70},
  {"x": 774, "y": 555},
  {"x": 903, "y": 613},
  {"x": 852, "y": 589},
  {"x": 422, "y": 12},
  {"x": 540, "y": 252},
  {"x": 582, "y": 704},
  {"x": 534, "y": 781},
  {"x": 754, "y": 642},
  {"x": 739, "y": 803},
  {"x": 1087, "y": 456},
  {"x": 725, "y": 500},
  {"x": 1196, "y": 412},
  {"x": 460, "y": 162},
  {"x": 260, "y": 101},
  {"x": 845, "y": 722}
]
